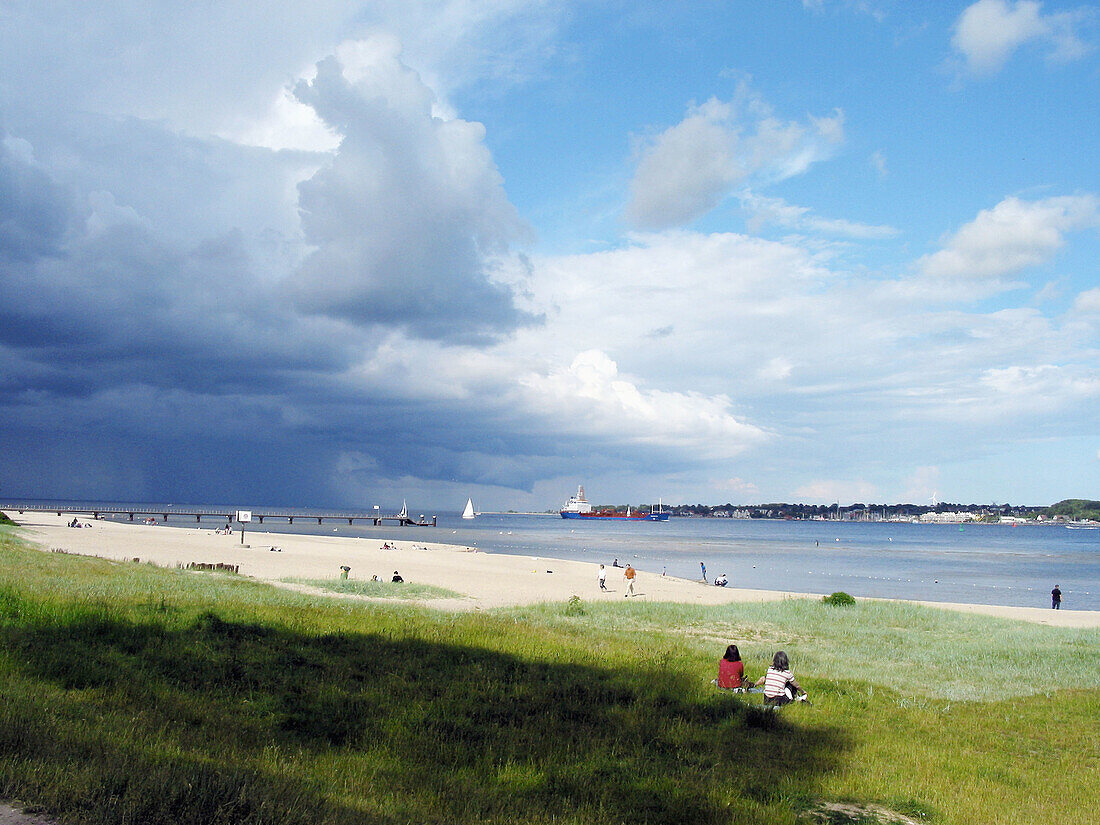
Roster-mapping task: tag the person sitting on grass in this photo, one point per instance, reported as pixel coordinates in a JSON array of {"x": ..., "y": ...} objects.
[
  {"x": 396, "y": 577},
  {"x": 779, "y": 684},
  {"x": 731, "y": 670}
]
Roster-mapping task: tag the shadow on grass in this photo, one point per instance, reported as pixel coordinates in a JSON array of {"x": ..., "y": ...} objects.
[{"x": 227, "y": 722}]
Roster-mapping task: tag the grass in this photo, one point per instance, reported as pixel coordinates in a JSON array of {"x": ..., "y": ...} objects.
[
  {"x": 139, "y": 694},
  {"x": 378, "y": 589}
]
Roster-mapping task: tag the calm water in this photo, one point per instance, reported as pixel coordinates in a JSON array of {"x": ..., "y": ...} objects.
[{"x": 986, "y": 564}]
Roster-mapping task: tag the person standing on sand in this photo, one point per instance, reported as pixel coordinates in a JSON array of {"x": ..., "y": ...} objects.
[
  {"x": 1055, "y": 598},
  {"x": 703, "y": 567},
  {"x": 629, "y": 575},
  {"x": 603, "y": 578}
]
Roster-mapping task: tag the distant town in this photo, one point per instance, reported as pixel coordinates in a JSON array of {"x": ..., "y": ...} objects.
[{"x": 1067, "y": 511}]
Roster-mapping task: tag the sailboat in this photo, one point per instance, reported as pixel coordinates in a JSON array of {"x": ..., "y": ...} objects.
[{"x": 469, "y": 511}]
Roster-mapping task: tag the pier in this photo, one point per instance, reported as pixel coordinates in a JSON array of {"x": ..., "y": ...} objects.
[{"x": 401, "y": 519}]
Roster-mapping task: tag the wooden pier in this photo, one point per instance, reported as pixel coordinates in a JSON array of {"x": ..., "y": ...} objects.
[{"x": 402, "y": 519}]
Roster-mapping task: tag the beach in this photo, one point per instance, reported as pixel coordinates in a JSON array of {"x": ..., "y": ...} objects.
[{"x": 483, "y": 580}]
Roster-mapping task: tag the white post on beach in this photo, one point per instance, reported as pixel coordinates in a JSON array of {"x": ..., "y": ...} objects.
[{"x": 243, "y": 517}]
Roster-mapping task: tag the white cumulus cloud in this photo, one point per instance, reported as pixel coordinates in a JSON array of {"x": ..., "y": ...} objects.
[
  {"x": 1088, "y": 302},
  {"x": 1013, "y": 235},
  {"x": 591, "y": 397},
  {"x": 989, "y": 31}
]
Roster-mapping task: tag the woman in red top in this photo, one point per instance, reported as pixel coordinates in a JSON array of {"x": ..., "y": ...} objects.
[{"x": 731, "y": 670}]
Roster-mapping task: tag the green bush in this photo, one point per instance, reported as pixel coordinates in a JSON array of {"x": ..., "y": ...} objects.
[
  {"x": 839, "y": 599},
  {"x": 574, "y": 607}
]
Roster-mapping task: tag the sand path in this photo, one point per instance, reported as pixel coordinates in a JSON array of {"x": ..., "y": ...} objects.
[{"x": 485, "y": 580}]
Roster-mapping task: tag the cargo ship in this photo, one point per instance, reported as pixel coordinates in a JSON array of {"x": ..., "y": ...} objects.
[{"x": 578, "y": 507}]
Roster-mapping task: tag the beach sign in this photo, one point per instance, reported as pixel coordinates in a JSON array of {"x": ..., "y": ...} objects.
[{"x": 244, "y": 515}]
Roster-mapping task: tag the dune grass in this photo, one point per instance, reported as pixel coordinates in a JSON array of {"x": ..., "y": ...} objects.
[
  {"x": 138, "y": 694},
  {"x": 378, "y": 589}
]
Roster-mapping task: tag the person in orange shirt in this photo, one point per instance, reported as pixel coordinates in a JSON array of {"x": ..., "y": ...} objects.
[{"x": 629, "y": 575}]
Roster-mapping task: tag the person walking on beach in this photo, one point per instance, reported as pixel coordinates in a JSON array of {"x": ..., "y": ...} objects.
[
  {"x": 629, "y": 575},
  {"x": 704, "y": 569},
  {"x": 603, "y": 578},
  {"x": 1056, "y": 598}
]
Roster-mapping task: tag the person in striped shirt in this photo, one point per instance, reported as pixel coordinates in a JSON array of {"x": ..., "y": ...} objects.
[{"x": 779, "y": 684}]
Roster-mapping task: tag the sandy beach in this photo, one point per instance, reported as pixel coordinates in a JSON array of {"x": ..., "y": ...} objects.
[{"x": 485, "y": 580}]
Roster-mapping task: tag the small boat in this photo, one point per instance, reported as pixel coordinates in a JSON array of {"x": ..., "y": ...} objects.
[{"x": 469, "y": 511}]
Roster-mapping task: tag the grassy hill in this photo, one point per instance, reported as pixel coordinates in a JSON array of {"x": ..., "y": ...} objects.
[{"x": 138, "y": 694}]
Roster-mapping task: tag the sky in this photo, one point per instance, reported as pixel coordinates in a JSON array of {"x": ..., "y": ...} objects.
[{"x": 347, "y": 253}]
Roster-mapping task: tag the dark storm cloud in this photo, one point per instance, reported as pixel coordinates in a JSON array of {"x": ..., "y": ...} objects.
[
  {"x": 170, "y": 327},
  {"x": 404, "y": 217},
  {"x": 33, "y": 208}
]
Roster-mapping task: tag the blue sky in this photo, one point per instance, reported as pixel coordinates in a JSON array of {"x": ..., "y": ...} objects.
[{"x": 705, "y": 251}]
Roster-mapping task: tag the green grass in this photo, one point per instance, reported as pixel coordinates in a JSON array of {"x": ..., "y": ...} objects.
[
  {"x": 378, "y": 590},
  {"x": 136, "y": 694}
]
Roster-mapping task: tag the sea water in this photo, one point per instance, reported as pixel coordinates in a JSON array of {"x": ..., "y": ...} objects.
[
  {"x": 983, "y": 564},
  {"x": 975, "y": 563}
]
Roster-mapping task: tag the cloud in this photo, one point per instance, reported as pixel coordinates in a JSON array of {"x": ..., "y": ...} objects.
[
  {"x": 224, "y": 69},
  {"x": 878, "y": 163},
  {"x": 406, "y": 216},
  {"x": 776, "y": 369},
  {"x": 1010, "y": 237},
  {"x": 829, "y": 491},
  {"x": 1088, "y": 302},
  {"x": 989, "y": 31},
  {"x": 687, "y": 170},
  {"x": 922, "y": 486},
  {"x": 764, "y": 210},
  {"x": 34, "y": 208},
  {"x": 737, "y": 485},
  {"x": 136, "y": 324},
  {"x": 1045, "y": 388},
  {"x": 590, "y": 397}
]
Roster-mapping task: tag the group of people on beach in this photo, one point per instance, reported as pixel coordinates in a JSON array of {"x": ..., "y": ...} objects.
[{"x": 779, "y": 684}]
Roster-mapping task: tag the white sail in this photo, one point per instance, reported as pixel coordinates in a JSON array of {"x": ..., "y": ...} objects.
[{"x": 469, "y": 511}]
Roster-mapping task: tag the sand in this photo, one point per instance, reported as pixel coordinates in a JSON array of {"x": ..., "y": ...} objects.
[
  {"x": 13, "y": 815},
  {"x": 484, "y": 580}
]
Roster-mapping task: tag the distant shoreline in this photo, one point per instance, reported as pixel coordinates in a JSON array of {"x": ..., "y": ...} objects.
[{"x": 485, "y": 580}]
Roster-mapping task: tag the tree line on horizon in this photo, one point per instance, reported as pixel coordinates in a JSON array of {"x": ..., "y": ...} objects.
[{"x": 1068, "y": 509}]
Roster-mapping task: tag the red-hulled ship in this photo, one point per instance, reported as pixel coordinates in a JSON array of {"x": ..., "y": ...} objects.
[{"x": 578, "y": 507}]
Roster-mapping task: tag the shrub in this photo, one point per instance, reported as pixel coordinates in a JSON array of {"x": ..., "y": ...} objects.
[
  {"x": 839, "y": 599},
  {"x": 574, "y": 607}
]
